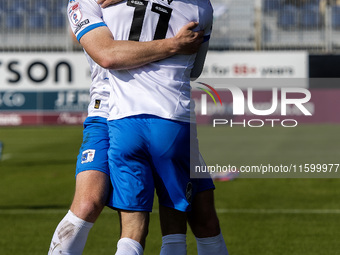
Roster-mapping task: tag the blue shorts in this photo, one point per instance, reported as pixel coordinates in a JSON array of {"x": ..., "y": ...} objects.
[
  {"x": 147, "y": 153},
  {"x": 93, "y": 152}
]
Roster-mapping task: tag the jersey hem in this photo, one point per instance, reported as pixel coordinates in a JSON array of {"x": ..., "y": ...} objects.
[{"x": 182, "y": 119}]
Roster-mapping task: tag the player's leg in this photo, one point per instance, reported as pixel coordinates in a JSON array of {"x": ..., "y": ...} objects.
[
  {"x": 203, "y": 218},
  {"x": 92, "y": 172},
  {"x": 92, "y": 188},
  {"x": 134, "y": 229},
  {"x": 132, "y": 181},
  {"x": 174, "y": 228},
  {"x": 172, "y": 221},
  {"x": 71, "y": 233},
  {"x": 170, "y": 152},
  {"x": 203, "y": 221},
  {"x": 204, "y": 224}
]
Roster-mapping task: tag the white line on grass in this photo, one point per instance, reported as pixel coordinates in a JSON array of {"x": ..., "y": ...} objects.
[
  {"x": 219, "y": 211},
  {"x": 280, "y": 211},
  {"x": 6, "y": 156}
]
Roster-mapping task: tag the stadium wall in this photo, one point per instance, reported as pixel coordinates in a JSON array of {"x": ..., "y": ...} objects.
[{"x": 53, "y": 88}]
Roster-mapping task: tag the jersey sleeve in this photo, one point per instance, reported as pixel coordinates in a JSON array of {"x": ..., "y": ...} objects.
[
  {"x": 206, "y": 18},
  {"x": 83, "y": 16}
]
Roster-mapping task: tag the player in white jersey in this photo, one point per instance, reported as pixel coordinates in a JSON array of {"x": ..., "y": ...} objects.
[
  {"x": 92, "y": 183},
  {"x": 94, "y": 25},
  {"x": 146, "y": 21}
]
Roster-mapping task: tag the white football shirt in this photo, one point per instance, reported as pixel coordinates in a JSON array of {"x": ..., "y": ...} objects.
[
  {"x": 100, "y": 90},
  {"x": 160, "y": 88}
]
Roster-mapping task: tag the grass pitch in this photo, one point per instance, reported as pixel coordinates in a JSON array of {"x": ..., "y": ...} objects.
[{"x": 258, "y": 215}]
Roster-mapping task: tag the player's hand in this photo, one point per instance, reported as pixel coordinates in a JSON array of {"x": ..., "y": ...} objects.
[
  {"x": 188, "y": 41},
  {"x": 106, "y": 3}
]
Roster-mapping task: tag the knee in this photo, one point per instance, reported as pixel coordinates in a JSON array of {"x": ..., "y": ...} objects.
[
  {"x": 206, "y": 226},
  {"x": 87, "y": 209},
  {"x": 172, "y": 221},
  {"x": 89, "y": 206}
]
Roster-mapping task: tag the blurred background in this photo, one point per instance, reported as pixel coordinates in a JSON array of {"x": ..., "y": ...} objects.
[
  {"x": 313, "y": 25},
  {"x": 44, "y": 78}
]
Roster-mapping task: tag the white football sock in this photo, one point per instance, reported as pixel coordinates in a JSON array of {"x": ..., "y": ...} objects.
[
  {"x": 211, "y": 245},
  {"x": 70, "y": 236},
  {"x": 174, "y": 244},
  {"x": 128, "y": 246}
]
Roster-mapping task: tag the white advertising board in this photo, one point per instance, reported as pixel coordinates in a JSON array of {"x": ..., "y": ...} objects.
[
  {"x": 70, "y": 71},
  {"x": 44, "y": 71},
  {"x": 269, "y": 64}
]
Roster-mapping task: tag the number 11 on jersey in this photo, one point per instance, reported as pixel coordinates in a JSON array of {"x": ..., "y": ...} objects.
[{"x": 139, "y": 16}]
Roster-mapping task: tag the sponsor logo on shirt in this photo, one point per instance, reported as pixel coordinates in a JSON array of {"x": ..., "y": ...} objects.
[{"x": 80, "y": 25}]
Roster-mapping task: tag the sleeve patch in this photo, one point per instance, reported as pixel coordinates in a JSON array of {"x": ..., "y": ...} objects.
[{"x": 75, "y": 14}]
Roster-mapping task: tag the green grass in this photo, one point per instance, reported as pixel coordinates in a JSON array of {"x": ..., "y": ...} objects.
[
  {"x": 258, "y": 215},
  {"x": 279, "y": 145}
]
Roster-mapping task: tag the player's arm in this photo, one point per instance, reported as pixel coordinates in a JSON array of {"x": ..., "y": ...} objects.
[{"x": 114, "y": 54}]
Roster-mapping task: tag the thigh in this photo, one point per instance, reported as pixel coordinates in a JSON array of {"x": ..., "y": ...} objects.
[
  {"x": 170, "y": 150},
  {"x": 130, "y": 168},
  {"x": 174, "y": 150}
]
